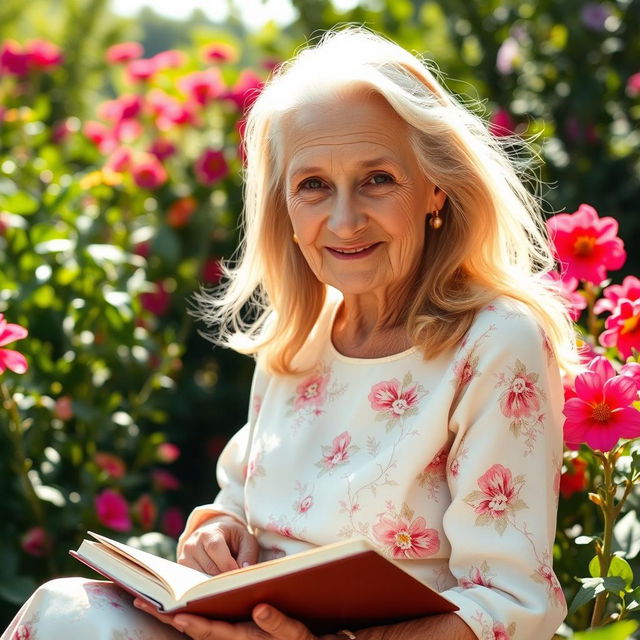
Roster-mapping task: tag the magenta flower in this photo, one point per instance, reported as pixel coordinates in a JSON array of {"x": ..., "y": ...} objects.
[
  {"x": 623, "y": 328},
  {"x": 123, "y": 52},
  {"x": 502, "y": 123},
  {"x": 112, "y": 510},
  {"x": 164, "y": 480},
  {"x": 173, "y": 522},
  {"x": 124, "y": 107},
  {"x": 35, "y": 542},
  {"x": 246, "y": 90},
  {"x": 162, "y": 148},
  {"x": 111, "y": 464},
  {"x": 403, "y": 539},
  {"x": 119, "y": 160},
  {"x": 210, "y": 167},
  {"x": 586, "y": 245},
  {"x": 146, "y": 510},
  {"x": 100, "y": 135},
  {"x": 202, "y": 86},
  {"x": 148, "y": 172},
  {"x": 632, "y": 369},
  {"x": 629, "y": 289},
  {"x": 10, "y": 359},
  {"x": 13, "y": 58},
  {"x": 141, "y": 70},
  {"x": 219, "y": 52},
  {"x": 633, "y": 85},
  {"x": 157, "y": 301},
  {"x": 171, "y": 59},
  {"x": 601, "y": 411}
]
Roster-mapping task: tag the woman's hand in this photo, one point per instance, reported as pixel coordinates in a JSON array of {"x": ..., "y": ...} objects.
[
  {"x": 268, "y": 623},
  {"x": 222, "y": 544}
]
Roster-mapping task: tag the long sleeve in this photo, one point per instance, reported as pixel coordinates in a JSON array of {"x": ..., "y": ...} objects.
[
  {"x": 231, "y": 468},
  {"x": 503, "y": 473}
]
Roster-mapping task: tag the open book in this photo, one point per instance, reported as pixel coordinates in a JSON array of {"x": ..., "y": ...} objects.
[{"x": 346, "y": 584}]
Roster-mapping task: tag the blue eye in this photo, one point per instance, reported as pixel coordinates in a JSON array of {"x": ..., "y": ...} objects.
[
  {"x": 380, "y": 178},
  {"x": 312, "y": 183}
]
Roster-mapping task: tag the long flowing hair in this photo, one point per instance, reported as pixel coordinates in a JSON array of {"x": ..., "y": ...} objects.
[{"x": 493, "y": 241}]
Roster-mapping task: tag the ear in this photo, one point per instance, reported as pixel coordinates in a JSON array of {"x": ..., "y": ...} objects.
[{"x": 439, "y": 197}]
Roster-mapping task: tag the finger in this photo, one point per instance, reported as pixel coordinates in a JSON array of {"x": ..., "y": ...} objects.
[
  {"x": 219, "y": 555},
  {"x": 247, "y": 550},
  {"x": 278, "y": 625},
  {"x": 200, "y": 628},
  {"x": 147, "y": 608}
]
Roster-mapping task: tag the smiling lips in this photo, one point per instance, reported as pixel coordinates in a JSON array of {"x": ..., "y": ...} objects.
[{"x": 352, "y": 253}]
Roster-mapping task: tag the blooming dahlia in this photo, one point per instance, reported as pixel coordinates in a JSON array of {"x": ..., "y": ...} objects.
[
  {"x": 585, "y": 244},
  {"x": 601, "y": 411},
  {"x": 629, "y": 289},
  {"x": 623, "y": 328}
]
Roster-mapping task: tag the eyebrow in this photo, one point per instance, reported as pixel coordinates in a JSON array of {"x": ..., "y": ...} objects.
[{"x": 364, "y": 164}]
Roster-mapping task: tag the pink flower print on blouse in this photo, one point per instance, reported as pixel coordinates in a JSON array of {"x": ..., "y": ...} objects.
[
  {"x": 403, "y": 539},
  {"x": 498, "y": 497},
  {"x": 465, "y": 370},
  {"x": 337, "y": 453},
  {"x": 434, "y": 474},
  {"x": 478, "y": 577},
  {"x": 394, "y": 401},
  {"x": 545, "y": 575},
  {"x": 304, "y": 504},
  {"x": 23, "y": 632},
  {"x": 311, "y": 392},
  {"x": 521, "y": 397},
  {"x": 500, "y": 632}
]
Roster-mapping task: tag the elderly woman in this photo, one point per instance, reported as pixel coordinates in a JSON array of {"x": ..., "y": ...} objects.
[{"x": 408, "y": 343}]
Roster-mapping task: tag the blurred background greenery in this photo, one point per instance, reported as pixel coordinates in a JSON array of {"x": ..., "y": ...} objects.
[{"x": 100, "y": 254}]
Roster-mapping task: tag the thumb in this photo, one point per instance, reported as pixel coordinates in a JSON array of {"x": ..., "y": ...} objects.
[
  {"x": 280, "y": 626},
  {"x": 247, "y": 550}
]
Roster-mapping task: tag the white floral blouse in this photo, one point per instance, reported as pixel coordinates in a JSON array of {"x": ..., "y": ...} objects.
[{"x": 450, "y": 466}]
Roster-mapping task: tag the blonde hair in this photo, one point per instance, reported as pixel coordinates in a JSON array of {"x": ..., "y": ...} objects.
[{"x": 492, "y": 243}]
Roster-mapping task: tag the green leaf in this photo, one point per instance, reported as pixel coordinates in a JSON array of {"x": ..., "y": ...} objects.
[
  {"x": 617, "y": 631},
  {"x": 591, "y": 587},
  {"x": 619, "y": 567},
  {"x": 21, "y": 203}
]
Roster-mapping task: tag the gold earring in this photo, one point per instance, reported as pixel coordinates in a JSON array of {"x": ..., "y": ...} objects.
[
  {"x": 435, "y": 221},
  {"x": 295, "y": 239}
]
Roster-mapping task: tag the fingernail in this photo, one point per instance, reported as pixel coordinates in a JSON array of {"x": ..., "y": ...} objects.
[
  {"x": 263, "y": 614},
  {"x": 245, "y": 564}
]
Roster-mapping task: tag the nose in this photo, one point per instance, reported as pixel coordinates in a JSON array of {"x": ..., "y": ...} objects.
[{"x": 346, "y": 216}]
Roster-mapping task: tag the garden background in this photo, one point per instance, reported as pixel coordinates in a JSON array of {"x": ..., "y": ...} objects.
[{"x": 120, "y": 190}]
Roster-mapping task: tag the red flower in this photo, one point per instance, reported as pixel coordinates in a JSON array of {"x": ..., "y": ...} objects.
[
  {"x": 168, "y": 452},
  {"x": 180, "y": 211},
  {"x": 246, "y": 90},
  {"x": 156, "y": 301},
  {"x": 212, "y": 271},
  {"x": 502, "y": 123},
  {"x": 586, "y": 245},
  {"x": 123, "y": 52},
  {"x": 35, "y": 542},
  {"x": 100, "y": 135},
  {"x": 629, "y": 289},
  {"x": 211, "y": 167},
  {"x": 173, "y": 522},
  {"x": 111, "y": 464},
  {"x": 574, "y": 479},
  {"x": 202, "y": 86},
  {"x": 13, "y": 59},
  {"x": 162, "y": 149},
  {"x": 633, "y": 85},
  {"x": 112, "y": 510},
  {"x": 219, "y": 52},
  {"x": 43, "y": 54},
  {"x": 124, "y": 107},
  {"x": 601, "y": 412},
  {"x": 148, "y": 172},
  {"x": 146, "y": 511},
  {"x": 404, "y": 539},
  {"x": 632, "y": 369},
  {"x": 623, "y": 328},
  {"x": 10, "y": 359}
]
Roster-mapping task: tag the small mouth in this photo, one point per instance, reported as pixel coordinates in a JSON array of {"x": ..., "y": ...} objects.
[{"x": 356, "y": 252}]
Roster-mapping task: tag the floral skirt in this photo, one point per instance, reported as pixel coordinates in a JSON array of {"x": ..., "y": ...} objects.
[{"x": 74, "y": 608}]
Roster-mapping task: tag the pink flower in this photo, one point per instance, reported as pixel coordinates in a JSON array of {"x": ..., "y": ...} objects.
[
  {"x": 211, "y": 167},
  {"x": 404, "y": 539},
  {"x": 521, "y": 397},
  {"x": 63, "y": 409},
  {"x": 164, "y": 480},
  {"x": 219, "y": 52},
  {"x": 476, "y": 578},
  {"x": 246, "y": 90},
  {"x": 162, "y": 149},
  {"x": 202, "y": 86},
  {"x": 629, "y": 289},
  {"x": 173, "y": 521},
  {"x": 500, "y": 632},
  {"x": 141, "y": 70},
  {"x": 169, "y": 111},
  {"x": 100, "y": 135},
  {"x": 112, "y": 510},
  {"x": 148, "y": 172},
  {"x": 546, "y": 574},
  {"x": 633, "y": 85},
  {"x": 35, "y": 542},
  {"x": 304, "y": 504},
  {"x": 574, "y": 479},
  {"x": 311, "y": 392},
  {"x": 119, "y": 160},
  {"x": 124, "y": 107},
  {"x": 586, "y": 245},
  {"x": 386, "y": 396},
  {"x": 601, "y": 412},
  {"x": 632, "y": 369},
  {"x": 623, "y": 328},
  {"x": 498, "y": 493},
  {"x": 43, "y": 54},
  {"x": 23, "y": 632},
  {"x": 10, "y": 359},
  {"x": 157, "y": 301},
  {"x": 146, "y": 511},
  {"x": 123, "y": 52},
  {"x": 502, "y": 123},
  {"x": 168, "y": 452},
  {"x": 111, "y": 464},
  {"x": 127, "y": 130},
  {"x": 339, "y": 451},
  {"x": 575, "y": 302},
  {"x": 13, "y": 59},
  {"x": 171, "y": 59}
]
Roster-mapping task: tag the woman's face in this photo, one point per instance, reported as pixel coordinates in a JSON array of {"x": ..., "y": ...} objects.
[{"x": 356, "y": 195}]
